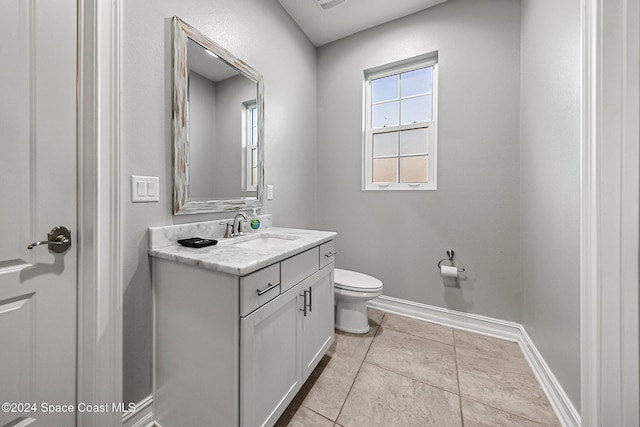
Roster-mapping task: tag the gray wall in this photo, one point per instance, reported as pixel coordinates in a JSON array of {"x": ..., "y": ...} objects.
[
  {"x": 400, "y": 236},
  {"x": 550, "y": 186},
  {"x": 202, "y": 135},
  {"x": 215, "y": 136},
  {"x": 267, "y": 39},
  {"x": 231, "y": 95}
]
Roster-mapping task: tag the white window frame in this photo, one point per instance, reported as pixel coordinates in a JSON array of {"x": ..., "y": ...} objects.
[
  {"x": 428, "y": 60},
  {"x": 247, "y": 133}
]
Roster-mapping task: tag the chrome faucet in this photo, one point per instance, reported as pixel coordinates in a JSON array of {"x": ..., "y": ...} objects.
[{"x": 238, "y": 227}]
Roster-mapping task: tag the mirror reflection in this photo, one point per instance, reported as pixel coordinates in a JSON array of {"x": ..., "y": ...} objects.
[{"x": 217, "y": 125}]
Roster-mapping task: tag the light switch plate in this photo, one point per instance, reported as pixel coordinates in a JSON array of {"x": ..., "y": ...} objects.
[
  {"x": 270, "y": 192},
  {"x": 145, "y": 189}
]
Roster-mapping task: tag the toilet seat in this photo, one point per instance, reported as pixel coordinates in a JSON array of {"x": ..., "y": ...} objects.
[{"x": 356, "y": 282}]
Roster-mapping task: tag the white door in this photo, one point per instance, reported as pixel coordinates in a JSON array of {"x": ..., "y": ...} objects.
[{"x": 38, "y": 287}]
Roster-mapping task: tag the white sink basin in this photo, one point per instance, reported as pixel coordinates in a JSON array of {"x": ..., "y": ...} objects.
[{"x": 263, "y": 242}]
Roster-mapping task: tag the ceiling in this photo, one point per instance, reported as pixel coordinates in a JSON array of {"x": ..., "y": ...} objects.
[
  {"x": 205, "y": 63},
  {"x": 323, "y": 26}
]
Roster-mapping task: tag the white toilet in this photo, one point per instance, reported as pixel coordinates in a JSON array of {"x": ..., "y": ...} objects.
[{"x": 352, "y": 290}]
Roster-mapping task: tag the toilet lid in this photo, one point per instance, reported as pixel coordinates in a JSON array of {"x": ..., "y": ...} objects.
[{"x": 352, "y": 280}]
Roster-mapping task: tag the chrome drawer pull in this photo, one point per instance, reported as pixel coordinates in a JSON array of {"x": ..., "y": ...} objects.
[
  {"x": 267, "y": 289},
  {"x": 304, "y": 304},
  {"x": 330, "y": 254}
]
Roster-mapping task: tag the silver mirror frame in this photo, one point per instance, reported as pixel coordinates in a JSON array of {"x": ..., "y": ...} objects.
[{"x": 181, "y": 204}]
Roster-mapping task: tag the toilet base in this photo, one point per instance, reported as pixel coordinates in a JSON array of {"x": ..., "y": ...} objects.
[{"x": 351, "y": 317}]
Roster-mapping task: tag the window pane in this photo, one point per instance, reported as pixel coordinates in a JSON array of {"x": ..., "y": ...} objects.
[
  {"x": 414, "y": 141},
  {"x": 254, "y": 157},
  {"x": 385, "y": 170},
  {"x": 416, "y": 82},
  {"x": 252, "y": 117},
  {"x": 385, "y": 144},
  {"x": 384, "y": 115},
  {"x": 254, "y": 177},
  {"x": 413, "y": 169},
  {"x": 385, "y": 89},
  {"x": 416, "y": 110}
]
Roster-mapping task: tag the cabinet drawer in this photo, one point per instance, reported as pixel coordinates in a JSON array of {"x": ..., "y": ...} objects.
[
  {"x": 259, "y": 288},
  {"x": 327, "y": 253},
  {"x": 297, "y": 268}
]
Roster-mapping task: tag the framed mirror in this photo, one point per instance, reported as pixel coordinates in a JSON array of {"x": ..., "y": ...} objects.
[{"x": 218, "y": 125}]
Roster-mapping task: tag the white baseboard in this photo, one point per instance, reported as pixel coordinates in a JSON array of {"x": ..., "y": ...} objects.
[
  {"x": 142, "y": 416},
  {"x": 511, "y": 331},
  {"x": 565, "y": 410}
]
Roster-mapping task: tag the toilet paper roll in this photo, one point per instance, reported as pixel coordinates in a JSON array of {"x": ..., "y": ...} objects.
[{"x": 448, "y": 271}]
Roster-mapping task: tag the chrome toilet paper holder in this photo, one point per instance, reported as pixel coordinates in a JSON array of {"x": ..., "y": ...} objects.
[{"x": 449, "y": 258}]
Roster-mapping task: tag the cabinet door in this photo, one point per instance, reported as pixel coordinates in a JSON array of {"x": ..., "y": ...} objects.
[
  {"x": 270, "y": 359},
  {"x": 318, "y": 324}
]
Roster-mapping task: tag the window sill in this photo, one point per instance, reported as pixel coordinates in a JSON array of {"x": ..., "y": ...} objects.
[{"x": 400, "y": 187}]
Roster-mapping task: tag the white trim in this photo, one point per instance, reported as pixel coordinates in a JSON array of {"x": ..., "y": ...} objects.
[
  {"x": 609, "y": 213},
  {"x": 141, "y": 416},
  {"x": 590, "y": 313},
  {"x": 24, "y": 422},
  {"x": 247, "y": 136},
  {"x": 148, "y": 420},
  {"x": 402, "y": 66},
  {"x": 511, "y": 331},
  {"x": 443, "y": 316},
  {"x": 555, "y": 393},
  {"x": 99, "y": 264}
]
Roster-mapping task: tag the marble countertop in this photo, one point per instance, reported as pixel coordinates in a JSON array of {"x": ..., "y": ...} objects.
[{"x": 226, "y": 257}]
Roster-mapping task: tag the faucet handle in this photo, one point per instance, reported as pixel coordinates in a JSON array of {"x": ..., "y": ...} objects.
[{"x": 229, "y": 231}]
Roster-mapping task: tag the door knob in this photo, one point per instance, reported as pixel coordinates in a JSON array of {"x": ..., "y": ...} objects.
[{"x": 58, "y": 239}]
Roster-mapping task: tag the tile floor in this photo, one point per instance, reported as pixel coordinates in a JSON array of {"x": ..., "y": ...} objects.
[{"x": 408, "y": 372}]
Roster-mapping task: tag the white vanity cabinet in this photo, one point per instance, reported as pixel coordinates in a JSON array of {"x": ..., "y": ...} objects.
[
  {"x": 282, "y": 342},
  {"x": 234, "y": 350}
]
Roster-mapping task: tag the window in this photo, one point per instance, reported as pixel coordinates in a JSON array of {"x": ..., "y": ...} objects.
[
  {"x": 250, "y": 143},
  {"x": 400, "y": 125}
]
